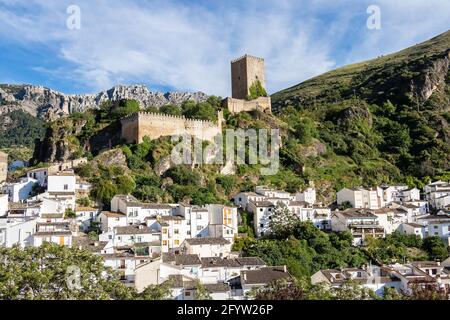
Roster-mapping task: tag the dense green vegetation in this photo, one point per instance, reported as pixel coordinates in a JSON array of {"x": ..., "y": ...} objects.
[
  {"x": 256, "y": 90},
  {"x": 378, "y": 126},
  {"x": 20, "y": 129}
]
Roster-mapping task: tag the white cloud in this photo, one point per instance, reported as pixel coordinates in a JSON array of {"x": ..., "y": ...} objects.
[{"x": 189, "y": 47}]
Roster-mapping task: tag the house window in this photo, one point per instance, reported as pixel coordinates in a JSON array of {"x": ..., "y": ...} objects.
[
  {"x": 261, "y": 225},
  {"x": 261, "y": 209},
  {"x": 199, "y": 215},
  {"x": 164, "y": 242},
  {"x": 176, "y": 242},
  {"x": 164, "y": 230},
  {"x": 187, "y": 294},
  {"x": 188, "y": 232},
  {"x": 66, "y": 187},
  {"x": 176, "y": 231},
  {"x": 199, "y": 228}
]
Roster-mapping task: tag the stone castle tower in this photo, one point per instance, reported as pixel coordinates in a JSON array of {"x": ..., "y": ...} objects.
[{"x": 245, "y": 71}]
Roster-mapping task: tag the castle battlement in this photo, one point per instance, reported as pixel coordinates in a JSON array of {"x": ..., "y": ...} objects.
[
  {"x": 247, "y": 56},
  {"x": 155, "y": 125}
]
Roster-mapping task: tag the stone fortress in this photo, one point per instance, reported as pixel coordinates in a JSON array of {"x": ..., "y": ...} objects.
[
  {"x": 245, "y": 71},
  {"x": 138, "y": 125}
]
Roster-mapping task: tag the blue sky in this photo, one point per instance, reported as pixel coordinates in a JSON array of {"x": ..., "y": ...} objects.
[{"x": 187, "y": 45}]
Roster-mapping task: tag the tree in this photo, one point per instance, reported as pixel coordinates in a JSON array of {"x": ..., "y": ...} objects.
[
  {"x": 282, "y": 222},
  {"x": 124, "y": 108},
  {"x": 436, "y": 248},
  {"x": 157, "y": 292},
  {"x": 54, "y": 272},
  {"x": 171, "y": 109},
  {"x": 305, "y": 130},
  {"x": 70, "y": 213},
  {"x": 200, "y": 292},
  {"x": 256, "y": 90}
]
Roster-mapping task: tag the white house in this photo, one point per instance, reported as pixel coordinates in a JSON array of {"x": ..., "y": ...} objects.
[
  {"x": 391, "y": 193},
  {"x": 361, "y": 198},
  {"x": 262, "y": 213},
  {"x": 439, "y": 225},
  {"x": 242, "y": 199},
  {"x": 252, "y": 279},
  {"x": 3, "y": 204},
  {"x": 207, "y": 247},
  {"x": 130, "y": 235},
  {"x": 308, "y": 195},
  {"x": 412, "y": 194},
  {"x": 17, "y": 231},
  {"x": 271, "y": 193},
  {"x": 61, "y": 182},
  {"x": 223, "y": 221},
  {"x": 361, "y": 223},
  {"x": 19, "y": 191},
  {"x": 373, "y": 278},
  {"x": 412, "y": 228},
  {"x": 109, "y": 220},
  {"x": 85, "y": 216},
  {"x": 39, "y": 174},
  {"x": 437, "y": 190}
]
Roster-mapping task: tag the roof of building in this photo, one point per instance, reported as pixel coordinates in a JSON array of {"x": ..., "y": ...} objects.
[
  {"x": 135, "y": 229},
  {"x": 110, "y": 214},
  {"x": 86, "y": 209},
  {"x": 53, "y": 224},
  {"x": 88, "y": 244},
  {"x": 62, "y": 174},
  {"x": 52, "y": 215},
  {"x": 264, "y": 275},
  {"x": 298, "y": 203},
  {"x": 426, "y": 264},
  {"x": 204, "y": 241},
  {"x": 181, "y": 259},
  {"x": 52, "y": 233},
  {"x": 156, "y": 206},
  {"x": 175, "y": 217},
  {"x": 414, "y": 225},
  {"x": 210, "y": 262},
  {"x": 217, "y": 287},
  {"x": 357, "y": 213},
  {"x": 265, "y": 204},
  {"x": 251, "y": 261}
]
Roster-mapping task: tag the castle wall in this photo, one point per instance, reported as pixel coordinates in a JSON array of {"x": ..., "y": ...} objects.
[
  {"x": 137, "y": 126},
  {"x": 262, "y": 104}
]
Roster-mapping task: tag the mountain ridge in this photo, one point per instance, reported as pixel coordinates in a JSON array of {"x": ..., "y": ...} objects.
[
  {"x": 45, "y": 102},
  {"x": 410, "y": 72}
]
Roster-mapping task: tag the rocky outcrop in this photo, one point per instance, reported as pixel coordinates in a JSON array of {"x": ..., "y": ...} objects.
[
  {"x": 44, "y": 102},
  {"x": 55, "y": 146},
  {"x": 432, "y": 77}
]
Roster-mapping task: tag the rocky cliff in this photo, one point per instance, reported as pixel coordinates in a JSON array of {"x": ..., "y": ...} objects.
[{"x": 44, "y": 102}]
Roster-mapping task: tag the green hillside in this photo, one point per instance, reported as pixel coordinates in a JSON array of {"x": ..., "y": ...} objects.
[{"x": 381, "y": 120}]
